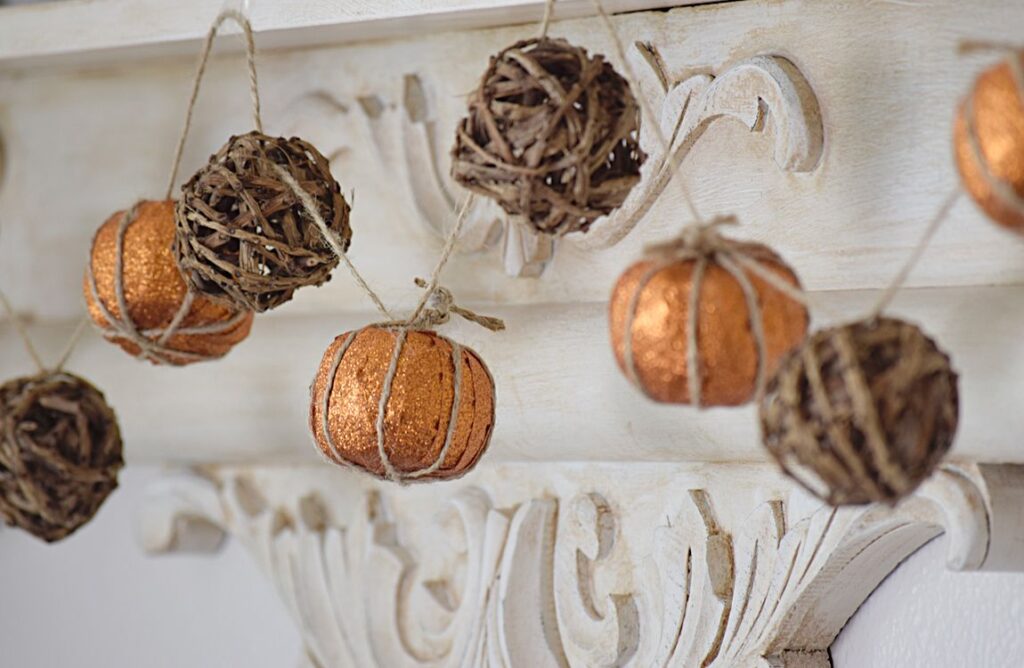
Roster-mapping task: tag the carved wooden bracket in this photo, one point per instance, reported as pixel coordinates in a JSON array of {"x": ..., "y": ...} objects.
[
  {"x": 600, "y": 565},
  {"x": 765, "y": 93}
]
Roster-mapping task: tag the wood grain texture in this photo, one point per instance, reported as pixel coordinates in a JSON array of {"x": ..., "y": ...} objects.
[{"x": 559, "y": 394}]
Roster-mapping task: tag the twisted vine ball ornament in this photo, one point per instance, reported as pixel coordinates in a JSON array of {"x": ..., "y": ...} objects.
[
  {"x": 552, "y": 136},
  {"x": 60, "y": 453},
  {"x": 692, "y": 323},
  {"x": 988, "y": 140},
  {"x": 243, "y": 238},
  {"x": 136, "y": 295},
  {"x": 863, "y": 412},
  {"x": 402, "y": 404}
]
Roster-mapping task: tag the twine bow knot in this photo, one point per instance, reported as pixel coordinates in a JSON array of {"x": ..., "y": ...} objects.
[{"x": 439, "y": 308}]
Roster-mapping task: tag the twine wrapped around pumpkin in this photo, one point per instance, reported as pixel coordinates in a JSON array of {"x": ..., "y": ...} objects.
[
  {"x": 243, "y": 237},
  {"x": 404, "y": 403},
  {"x": 704, "y": 319},
  {"x": 552, "y": 135},
  {"x": 988, "y": 140},
  {"x": 863, "y": 412},
  {"x": 137, "y": 298},
  {"x": 60, "y": 453}
]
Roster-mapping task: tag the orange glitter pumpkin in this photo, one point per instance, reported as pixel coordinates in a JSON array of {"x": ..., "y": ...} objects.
[
  {"x": 988, "y": 140},
  {"x": 651, "y": 321},
  {"x": 166, "y": 323},
  {"x": 402, "y": 405}
]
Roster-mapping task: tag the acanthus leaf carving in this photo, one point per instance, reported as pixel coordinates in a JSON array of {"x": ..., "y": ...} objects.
[{"x": 582, "y": 578}]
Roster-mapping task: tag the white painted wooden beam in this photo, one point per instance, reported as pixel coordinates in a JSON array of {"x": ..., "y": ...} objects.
[
  {"x": 560, "y": 396},
  {"x": 108, "y": 31}
]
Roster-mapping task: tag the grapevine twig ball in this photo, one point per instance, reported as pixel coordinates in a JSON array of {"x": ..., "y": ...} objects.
[
  {"x": 402, "y": 404},
  {"x": 704, "y": 320},
  {"x": 862, "y": 413},
  {"x": 60, "y": 453},
  {"x": 243, "y": 237},
  {"x": 552, "y": 135},
  {"x": 989, "y": 142},
  {"x": 137, "y": 297}
]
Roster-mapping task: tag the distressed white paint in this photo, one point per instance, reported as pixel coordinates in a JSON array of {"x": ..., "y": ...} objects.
[{"x": 588, "y": 565}]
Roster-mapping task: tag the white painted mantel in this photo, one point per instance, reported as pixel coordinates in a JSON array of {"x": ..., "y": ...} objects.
[{"x": 601, "y": 530}]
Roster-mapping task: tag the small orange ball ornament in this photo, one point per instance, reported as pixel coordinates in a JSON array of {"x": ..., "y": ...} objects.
[
  {"x": 700, "y": 289},
  {"x": 166, "y": 323},
  {"x": 403, "y": 405},
  {"x": 989, "y": 142}
]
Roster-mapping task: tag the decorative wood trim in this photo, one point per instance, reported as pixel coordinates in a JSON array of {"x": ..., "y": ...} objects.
[
  {"x": 568, "y": 565},
  {"x": 766, "y": 93}
]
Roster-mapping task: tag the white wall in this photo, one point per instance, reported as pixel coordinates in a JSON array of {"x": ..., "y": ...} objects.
[
  {"x": 923, "y": 616},
  {"x": 95, "y": 601}
]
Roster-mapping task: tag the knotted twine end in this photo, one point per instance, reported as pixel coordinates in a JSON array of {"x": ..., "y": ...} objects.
[{"x": 440, "y": 307}]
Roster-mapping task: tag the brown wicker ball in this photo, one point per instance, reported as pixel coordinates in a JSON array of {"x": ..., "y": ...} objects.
[
  {"x": 552, "y": 135},
  {"x": 60, "y": 453},
  {"x": 243, "y": 237},
  {"x": 862, "y": 413},
  {"x": 433, "y": 418}
]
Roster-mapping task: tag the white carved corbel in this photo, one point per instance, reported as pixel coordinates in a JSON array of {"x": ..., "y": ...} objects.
[
  {"x": 766, "y": 93},
  {"x": 629, "y": 565}
]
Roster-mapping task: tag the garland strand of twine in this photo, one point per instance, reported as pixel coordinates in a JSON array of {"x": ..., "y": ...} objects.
[
  {"x": 1006, "y": 193},
  {"x": 701, "y": 243},
  {"x": 254, "y": 92},
  {"x": 29, "y": 344}
]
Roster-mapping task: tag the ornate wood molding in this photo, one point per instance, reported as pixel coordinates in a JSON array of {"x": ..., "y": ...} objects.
[
  {"x": 766, "y": 93},
  {"x": 570, "y": 565}
]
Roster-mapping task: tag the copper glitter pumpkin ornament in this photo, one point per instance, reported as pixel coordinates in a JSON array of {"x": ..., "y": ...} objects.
[
  {"x": 862, "y": 413},
  {"x": 989, "y": 142},
  {"x": 243, "y": 237},
  {"x": 405, "y": 405},
  {"x": 552, "y": 136},
  {"x": 138, "y": 299},
  {"x": 697, "y": 322},
  {"x": 60, "y": 453}
]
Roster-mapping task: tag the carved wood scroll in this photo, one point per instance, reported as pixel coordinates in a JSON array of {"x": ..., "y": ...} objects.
[
  {"x": 766, "y": 93},
  {"x": 600, "y": 566}
]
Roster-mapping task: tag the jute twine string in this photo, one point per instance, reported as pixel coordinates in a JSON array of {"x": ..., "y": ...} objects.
[
  {"x": 29, "y": 344},
  {"x": 1007, "y": 194},
  {"x": 19, "y": 327},
  {"x": 153, "y": 342},
  {"x": 254, "y": 92},
  {"x": 545, "y": 23}
]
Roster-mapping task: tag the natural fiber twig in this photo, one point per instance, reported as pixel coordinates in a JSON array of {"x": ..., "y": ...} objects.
[
  {"x": 60, "y": 453},
  {"x": 863, "y": 412},
  {"x": 551, "y": 135},
  {"x": 244, "y": 237}
]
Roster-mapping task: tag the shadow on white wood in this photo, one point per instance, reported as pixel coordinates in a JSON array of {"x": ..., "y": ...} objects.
[{"x": 395, "y": 577}]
